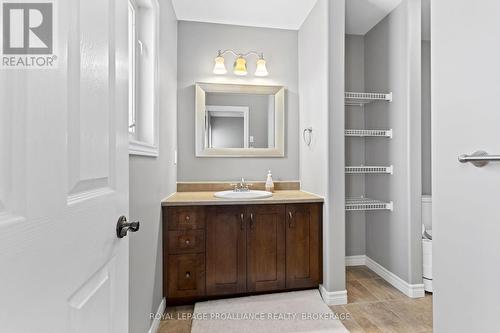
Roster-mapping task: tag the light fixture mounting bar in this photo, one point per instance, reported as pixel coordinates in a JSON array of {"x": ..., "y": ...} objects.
[{"x": 244, "y": 55}]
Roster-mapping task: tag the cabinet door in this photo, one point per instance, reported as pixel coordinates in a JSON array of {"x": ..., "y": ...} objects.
[
  {"x": 226, "y": 251},
  {"x": 186, "y": 275},
  {"x": 266, "y": 248},
  {"x": 303, "y": 245}
]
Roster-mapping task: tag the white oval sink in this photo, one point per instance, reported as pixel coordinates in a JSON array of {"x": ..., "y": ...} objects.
[{"x": 243, "y": 195}]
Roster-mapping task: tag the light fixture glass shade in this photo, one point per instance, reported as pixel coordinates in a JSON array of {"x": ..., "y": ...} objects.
[
  {"x": 261, "y": 68},
  {"x": 240, "y": 66},
  {"x": 219, "y": 67}
]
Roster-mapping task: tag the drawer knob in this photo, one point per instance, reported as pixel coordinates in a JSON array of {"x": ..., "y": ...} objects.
[
  {"x": 187, "y": 241},
  {"x": 188, "y": 217},
  {"x": 188, "y": 275}
]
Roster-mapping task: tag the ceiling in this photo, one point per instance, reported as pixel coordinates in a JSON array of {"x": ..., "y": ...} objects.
[
  {"x": 362, "y": 15},
  {"x": 281, "y": 14}
]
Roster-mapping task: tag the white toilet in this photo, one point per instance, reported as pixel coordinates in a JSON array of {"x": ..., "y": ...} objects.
[{"x": 427, "y": 241}]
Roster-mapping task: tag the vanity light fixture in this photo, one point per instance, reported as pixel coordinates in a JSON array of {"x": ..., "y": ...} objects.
[
  {"x": 219, "y": 67},
  {"x": 240, "y": 64},
  {"x": 261, "y": 67}
]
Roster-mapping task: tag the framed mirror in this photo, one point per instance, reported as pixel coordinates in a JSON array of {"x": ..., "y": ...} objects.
[{"x": 234, "y": 120}]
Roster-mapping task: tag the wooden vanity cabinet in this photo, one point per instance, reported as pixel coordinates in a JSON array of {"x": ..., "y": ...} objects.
[
  {"x": 303, "y": 246},
  {"x": 186, "y": 275},
  {"x": 266, "y": 248},
  {"x": 226, "y": 250},
  {"x": 184, "y": 252}
]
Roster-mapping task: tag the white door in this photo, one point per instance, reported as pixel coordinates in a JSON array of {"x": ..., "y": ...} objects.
[
  {"x": 466, "y": 199},
  {"x": 64, "y": 179}
]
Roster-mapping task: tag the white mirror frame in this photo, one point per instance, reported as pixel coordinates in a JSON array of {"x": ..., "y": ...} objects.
[{"x": 279, "y": 120}]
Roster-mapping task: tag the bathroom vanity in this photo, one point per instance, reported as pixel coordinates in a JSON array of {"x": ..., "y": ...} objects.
[{"x": 214, "y": 248}]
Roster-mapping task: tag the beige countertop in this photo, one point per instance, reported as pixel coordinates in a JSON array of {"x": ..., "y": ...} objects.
[{"x": 208, "y": 198}]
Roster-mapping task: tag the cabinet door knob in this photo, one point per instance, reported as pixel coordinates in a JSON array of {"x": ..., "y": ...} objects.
[
  {"x": 188, "y": 217},
  {"x": 251, "y": 220},
  {"x": 187, "y": 241},
  {"x": 242, "y": 221},
  {"x": 188, "y": 275},
  {"x": 290, "y": 215}
]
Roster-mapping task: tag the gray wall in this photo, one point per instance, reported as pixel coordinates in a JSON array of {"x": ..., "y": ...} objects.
[
  {"x": 336, "y": 144},
  {"x": 198, "y": 45},
  {"x": 151, "y": 180},
  {"x": 317, "y": 91},
  {"x": 313, "y": 91},
  {"x": 426, "y": 118},
  {"x": 392, "y": 63},
  {"x": 355, "y": 147},
  {"x": 258, "y": 112}
]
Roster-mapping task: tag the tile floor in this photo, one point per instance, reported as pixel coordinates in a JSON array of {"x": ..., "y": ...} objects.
[
  {"x": 374, "y": 306},
  {"x": 177, "y": 324}
]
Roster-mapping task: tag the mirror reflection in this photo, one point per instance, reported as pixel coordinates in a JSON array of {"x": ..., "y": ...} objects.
[{"x": 239, "y": 120}]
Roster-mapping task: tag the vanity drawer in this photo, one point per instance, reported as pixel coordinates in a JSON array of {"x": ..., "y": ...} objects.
[
  {"x": 186, "y": 275},
  {"x": 185, "y": 218},
  {"x": 186, "y": 241}
]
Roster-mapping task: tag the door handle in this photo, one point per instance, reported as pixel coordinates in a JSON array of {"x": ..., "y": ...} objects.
[
  {"x": 479, "y": 158},
  {"x": 290, "y": 215},
  {"x": 123, "y": 227}
]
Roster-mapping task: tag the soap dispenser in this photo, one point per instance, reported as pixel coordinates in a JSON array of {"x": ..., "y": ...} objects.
[{"x": 269, "y": 182}]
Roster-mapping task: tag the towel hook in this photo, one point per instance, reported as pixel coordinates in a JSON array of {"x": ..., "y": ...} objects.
[{"x": 306, "y": 135}]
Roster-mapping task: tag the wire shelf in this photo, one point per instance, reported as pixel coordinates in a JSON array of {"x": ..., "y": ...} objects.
[
  {"x": 362, "y": 169},
  {"x": 368, "y": 133},
  {"x": 364, "y": 204},
  {"x": 360, "y": 99}
]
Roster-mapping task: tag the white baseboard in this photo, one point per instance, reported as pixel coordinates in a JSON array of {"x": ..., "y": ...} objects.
[
  {"x": 410, "y": 290},
  {"x": 333, "y": 297},
  {"x": 355, "y": 260},
  {"x": 159, "y": 313}
]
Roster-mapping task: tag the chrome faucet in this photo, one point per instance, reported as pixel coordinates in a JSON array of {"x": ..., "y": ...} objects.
[{"x": 242, "y": 186}]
